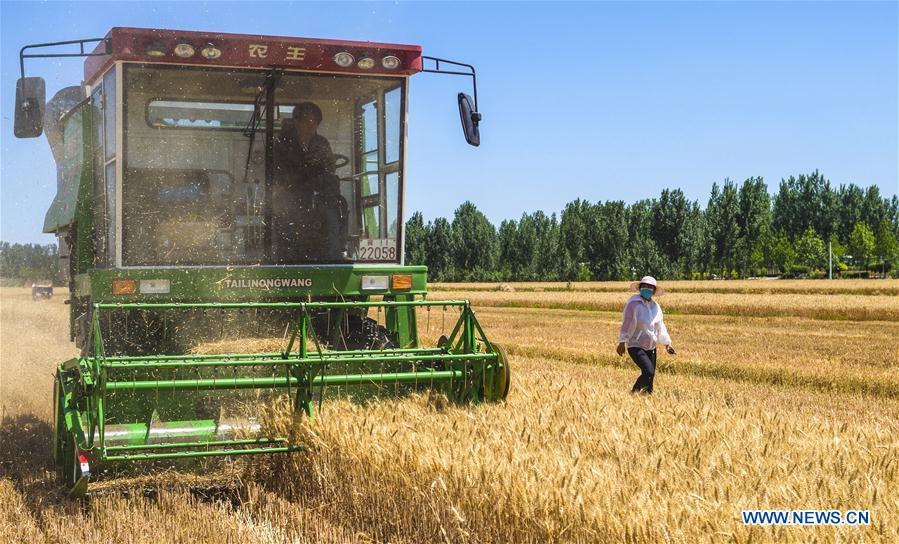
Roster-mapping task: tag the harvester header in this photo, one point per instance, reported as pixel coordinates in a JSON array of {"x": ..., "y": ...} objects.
[{"x": 230, "y": 216}]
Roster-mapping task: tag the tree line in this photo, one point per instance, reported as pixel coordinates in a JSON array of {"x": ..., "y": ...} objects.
[
  {"x": 29, "y": 262},
  {"x": 742, "y": 231}
]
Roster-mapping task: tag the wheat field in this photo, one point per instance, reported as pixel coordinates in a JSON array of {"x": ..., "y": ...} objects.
[{"x": 782, "y": 396}]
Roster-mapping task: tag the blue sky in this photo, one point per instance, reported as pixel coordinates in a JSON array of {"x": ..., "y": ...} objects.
[{"x": 598, "y": 101}]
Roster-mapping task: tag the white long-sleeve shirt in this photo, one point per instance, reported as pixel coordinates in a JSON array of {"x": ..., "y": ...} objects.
[{"x": 642, "y": 325}]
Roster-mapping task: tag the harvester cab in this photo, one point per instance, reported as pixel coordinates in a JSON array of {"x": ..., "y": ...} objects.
[{"x": 230, "y": 220}]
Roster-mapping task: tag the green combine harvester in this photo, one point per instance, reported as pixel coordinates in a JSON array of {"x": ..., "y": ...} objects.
[{"x": 230, "y": 220}]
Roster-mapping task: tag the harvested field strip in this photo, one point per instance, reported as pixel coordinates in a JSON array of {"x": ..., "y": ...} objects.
[
  {"x": 771, "y": 287},
  {"x": 823, "y": 307},
  {"x": 419, "y": 469}
]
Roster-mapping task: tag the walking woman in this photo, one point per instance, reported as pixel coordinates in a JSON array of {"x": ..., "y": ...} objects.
[{"x": 641, "y": 329}]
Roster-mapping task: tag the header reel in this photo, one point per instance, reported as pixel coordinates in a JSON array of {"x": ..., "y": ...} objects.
[{"x": 132, "y": 398}]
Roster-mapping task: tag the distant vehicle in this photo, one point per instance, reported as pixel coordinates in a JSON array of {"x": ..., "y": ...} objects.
[{"x": 41, "y": 290}]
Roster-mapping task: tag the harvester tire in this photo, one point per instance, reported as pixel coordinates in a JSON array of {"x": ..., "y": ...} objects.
[
  {"x": 59, "y": 423},
  {"x": 498, "y": 389},
  {"x": 366, "y": 333}
]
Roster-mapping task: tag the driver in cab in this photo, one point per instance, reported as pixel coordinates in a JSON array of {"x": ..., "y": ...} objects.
[
  {"x": 305, "y": 186},
  {"x": 303, "y": 154}
]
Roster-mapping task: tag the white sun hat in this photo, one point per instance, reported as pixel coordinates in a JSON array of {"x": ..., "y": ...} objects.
[{"x": 648, "y": 280}]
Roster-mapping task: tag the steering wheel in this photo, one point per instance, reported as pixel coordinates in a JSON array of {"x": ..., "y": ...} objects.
[
  {"x": 340, "y": 160},
  {"x": 354, "y": 177}
]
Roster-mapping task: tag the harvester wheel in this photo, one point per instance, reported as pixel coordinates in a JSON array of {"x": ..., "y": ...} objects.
[
  {"x": 366, "y": 333},
  {"x": 59, "y": 424},
  {"x": 64, "y": 449},
  {"x": 497, "y": 389},
  {"x": 67, "y": 465},
  {"x": 74, "y": 480}
]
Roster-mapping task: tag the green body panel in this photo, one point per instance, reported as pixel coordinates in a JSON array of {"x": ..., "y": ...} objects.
[
  {"x": 75, "y": 172},
  {"x": 250, "y": 284}
]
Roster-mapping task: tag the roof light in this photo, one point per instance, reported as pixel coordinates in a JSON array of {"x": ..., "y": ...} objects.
[
  {"x": 390, "y": 62},
  {"x": 156, "y": 49},
  {"x": 344, "y": 59},
  {"x": 210, "y": 52},
  {"x": 366, "y": 64},
  {"x": 184, "y": 50}
]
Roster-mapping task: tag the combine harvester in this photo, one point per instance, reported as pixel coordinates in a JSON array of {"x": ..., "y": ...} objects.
[
  {"x": 197, "y": 210},
  {"x": 41, "y": 290}
]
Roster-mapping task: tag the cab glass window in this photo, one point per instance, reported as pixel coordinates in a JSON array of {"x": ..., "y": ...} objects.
[{"x": 222, "y": 168}]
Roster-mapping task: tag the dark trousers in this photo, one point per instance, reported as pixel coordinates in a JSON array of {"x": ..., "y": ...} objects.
[{"x": 646, "y": 360}]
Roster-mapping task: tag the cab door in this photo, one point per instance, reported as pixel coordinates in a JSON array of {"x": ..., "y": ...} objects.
[{"x": 378, "y": 157}]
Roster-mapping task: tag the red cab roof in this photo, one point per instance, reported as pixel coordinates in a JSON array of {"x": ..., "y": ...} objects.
[{"x": 249, "y": 50}]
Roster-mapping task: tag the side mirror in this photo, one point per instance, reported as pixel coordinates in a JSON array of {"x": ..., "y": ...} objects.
[
  {"x": 30, "y": 97},
  {"x": 471, "y": 118}
]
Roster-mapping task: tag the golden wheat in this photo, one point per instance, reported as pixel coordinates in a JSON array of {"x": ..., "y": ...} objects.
[
  {"x": 815, "y": 306},
  {"x": 780, "y": 411},
  {"x": 573, "y": 457}
]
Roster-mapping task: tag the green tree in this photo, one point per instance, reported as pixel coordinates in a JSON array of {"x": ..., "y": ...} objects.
[
  {"x": 805, "y": 201},
  {"x": 549, "y": 258},
  {"x": 508, "y": 230},
  {"x": 829, "y": 215},
  {"x": 852, "y": 202},
  {"x": 573, "y": 229},
  {"x": 416, "y": 240},
  {"x": 754, "y": 220},
  {"x": 886, "y": 246},
  {"x": 607, "y": 246},
  {"x": 893, "y": 213},
  {"x": 782, "y": 254},
  {"x": 785, "y": 206},
  {"x": 526, "y": 246},
  {"x": 723, "y": 232},
  {"x": 861, "y": 244},
  {"x": 763, "y": 253},
  {"x": 875, "y": 209},
  {"x": 670, "y": 216},
  {"x": 643, "y": 254},
  {"x": 474, "y": 244},
  {"x": 810, "y": 250},
  {"x": 694, "y": 238},
  {"x": 440, "y": 251}
]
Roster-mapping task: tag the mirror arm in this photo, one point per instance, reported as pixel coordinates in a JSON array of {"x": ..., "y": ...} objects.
[
  {"x": 81, "y": 43},
  {"x": 470, "y": 73}
]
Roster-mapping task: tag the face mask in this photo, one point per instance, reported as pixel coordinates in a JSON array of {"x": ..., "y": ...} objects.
[{"x": 646, "y": 293}]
